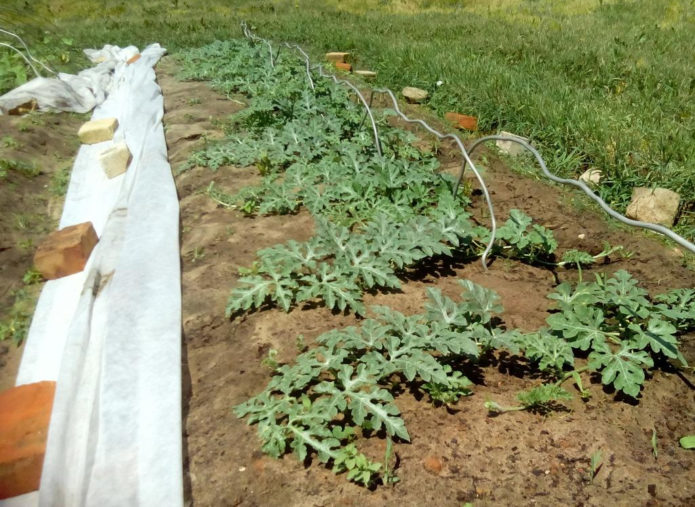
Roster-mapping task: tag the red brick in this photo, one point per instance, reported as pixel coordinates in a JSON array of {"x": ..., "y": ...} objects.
[
  {"x": 25, "y": 412},
  {"x": 66, "y": 251},
  {"x": 344, "y": 66},
  {"x": 462, "y": 121}
]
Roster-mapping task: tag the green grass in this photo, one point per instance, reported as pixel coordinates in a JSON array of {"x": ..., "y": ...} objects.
[
  {"x": 17, "y": 166},
  {"x": 604, "y": 83},
  {"x": 59, "y": 181}
]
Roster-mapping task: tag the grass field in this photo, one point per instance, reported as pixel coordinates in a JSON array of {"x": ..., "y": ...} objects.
[{"x": 594, "y": 83}]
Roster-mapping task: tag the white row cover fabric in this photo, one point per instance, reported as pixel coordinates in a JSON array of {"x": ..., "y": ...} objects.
[
  {"x": 67, "y": 92},
  {"x": 111, "y": 335}
]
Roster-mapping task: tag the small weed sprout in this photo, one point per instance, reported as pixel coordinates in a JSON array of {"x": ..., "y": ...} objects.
[
  {"x": 270, "y": 361},
  {"x": 9, "y": 142},
  {"x": 595, "y": 465},
  {"x": 687, "y": 442},
  {"x": 197, "y": 254},
  {"x": 32, "y": 276}
]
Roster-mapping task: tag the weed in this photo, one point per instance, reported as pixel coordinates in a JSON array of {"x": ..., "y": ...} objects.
[
  {"x": 19, "y": 167},
  {"x": 300, "y": 344},
  {"x": 595, "y": 465},
  {"x": 32, "y": 276},
  {"x": 9, "y": 142},
  {"x": 270, "y": 361},
  {"x": 60, "y": 181},
  {"x": 25, "y": 244},
  {"x": 15, "y": 325},
  {"x": 197, "y": 254}
]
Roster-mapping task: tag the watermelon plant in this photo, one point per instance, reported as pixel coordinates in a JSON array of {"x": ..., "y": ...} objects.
[
  {"x": 377, "y": 218},
  {"x": 344, "y": 386}
]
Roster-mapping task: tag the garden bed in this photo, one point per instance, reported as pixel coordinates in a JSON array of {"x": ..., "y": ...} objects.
[{"x": 457, "y": 452}]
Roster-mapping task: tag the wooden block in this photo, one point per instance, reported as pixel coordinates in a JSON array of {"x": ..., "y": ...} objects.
[
  {"x": 66, "y": 251},
  {"x": 133, "y": 58},
  {"x": 97, "y": 131},
  {"x": 336, "y": 57},
  {"x": 114, "y": 160},
  {"x": 343, "y": 66},
  {"x": 367, "y": 74},
  {"x": 462, "y": 121},
  {"x": 25, "y": 412}
]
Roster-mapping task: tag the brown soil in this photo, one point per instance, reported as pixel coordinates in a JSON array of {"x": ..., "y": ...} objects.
[
  {"x": 29, "y": 209},
  {"x": 456, "y": 456}
]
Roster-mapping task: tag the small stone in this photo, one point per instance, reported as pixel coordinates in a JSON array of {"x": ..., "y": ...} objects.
[
  {"x": 114, "y": 160},
  {"x": 655, "y": 206},
  {"x": 258, "y": 465},
  {"x": 367, "y": 74},
  {"x": 343, "y": 66},
  {"x": 591, "y": 176},
  {"x": 432, "y": 464},
  {"x": 414, "y": 95},
  {"x": 481, "y": 491},
  {"x": 510, "y": 147},
  {"x": 581, "y": 236},
  {"x": 98, "y": 131},
  {"x": 462, "y": 121},
  {"x": 337, "y": 56}
]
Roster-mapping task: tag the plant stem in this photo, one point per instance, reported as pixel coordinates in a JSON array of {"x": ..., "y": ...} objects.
[{"x": 388, "y": 476}]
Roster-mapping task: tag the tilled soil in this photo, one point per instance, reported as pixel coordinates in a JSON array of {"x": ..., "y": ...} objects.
[{"x": 457, "y": 455}]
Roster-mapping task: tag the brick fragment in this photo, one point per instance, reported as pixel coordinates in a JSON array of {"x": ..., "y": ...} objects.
[
  {"x": 97, "y": 131},
  {"x": 115, "y": 160},
  {"x": 432, "y": 464},
  {"x": 462, "y": 121},
  {"x": 66, "y": 251},
  {"x": 336, "y": 57},
  {"x": 343, "y": 66},
  {"x": 133, "y": 58},
  {"x": 25, "y": 413}
]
